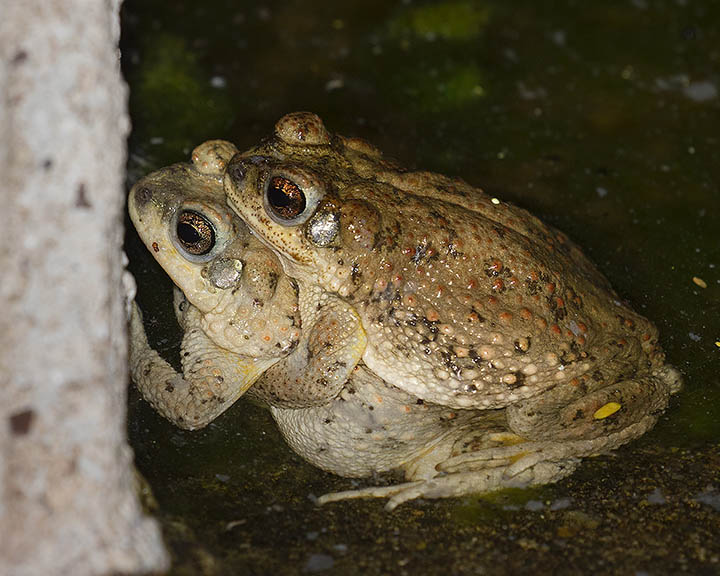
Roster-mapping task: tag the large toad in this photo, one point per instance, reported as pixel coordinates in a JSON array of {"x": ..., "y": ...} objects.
[{"x": 442, "y": 332}]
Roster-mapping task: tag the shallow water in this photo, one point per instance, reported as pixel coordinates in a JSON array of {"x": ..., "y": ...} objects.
[{"x": 601, "y": 118}]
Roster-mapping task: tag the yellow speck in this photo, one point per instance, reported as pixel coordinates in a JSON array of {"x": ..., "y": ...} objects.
[
  {"x": 700, "y": 282},
  {"x": 607, "y": 410},
  {"x": 495, "y": 201},
  {"x": 517, "y": 457},
  {"x": 717, "y": 343},
  {"x": 507, "y": 438}
]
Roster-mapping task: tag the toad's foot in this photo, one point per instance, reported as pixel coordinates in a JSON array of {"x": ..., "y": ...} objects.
[{"x": 459, "y": 484}]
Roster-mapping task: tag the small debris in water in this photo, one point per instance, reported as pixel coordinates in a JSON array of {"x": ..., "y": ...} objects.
[
  {"x": 534, "y": 505},
  {"x": 234, "y": 523},
  {"x": 656, "y": 497},
  {"x": 700, "y": 282},
  {"x": 561, "y": 504},
  {"x": 694, "y": 337},
  {"x": 701, "y": 91},
  {"x": 709, "y": 496},
  {"x": 334, "y": 84},
  {"x": 495, "y": 201},
  {"x": 318, "y": 563}
]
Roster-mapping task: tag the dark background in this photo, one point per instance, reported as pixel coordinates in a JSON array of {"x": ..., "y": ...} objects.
[{"x": 602, "y": 118}]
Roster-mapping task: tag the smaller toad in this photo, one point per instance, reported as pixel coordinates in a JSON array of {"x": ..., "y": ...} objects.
[{"x": 237, "y": 308}]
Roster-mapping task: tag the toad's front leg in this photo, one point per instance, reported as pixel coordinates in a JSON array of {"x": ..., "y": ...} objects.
[{"x": 212, "y": 380}]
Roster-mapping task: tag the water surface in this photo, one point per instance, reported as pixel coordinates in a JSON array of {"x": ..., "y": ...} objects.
[{"x": 601, "y": 118}]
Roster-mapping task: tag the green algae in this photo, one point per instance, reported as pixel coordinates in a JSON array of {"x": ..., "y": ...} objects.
[{"x": 454, "y": 21}]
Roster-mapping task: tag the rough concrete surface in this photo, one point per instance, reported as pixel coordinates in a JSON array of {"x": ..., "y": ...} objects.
[{"x": 67, "y": 496}]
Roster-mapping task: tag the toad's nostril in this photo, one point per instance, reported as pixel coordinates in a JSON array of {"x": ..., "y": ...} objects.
[
  {"x": 237, "y": 172},
  {"x": 142, "y": 196}
]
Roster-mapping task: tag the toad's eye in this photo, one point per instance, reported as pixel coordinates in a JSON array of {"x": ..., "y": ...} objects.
[
  {"x": 285, "y": 198},
  {"x": 292, "y": 194},
  {"x": 195, "y": 233}
]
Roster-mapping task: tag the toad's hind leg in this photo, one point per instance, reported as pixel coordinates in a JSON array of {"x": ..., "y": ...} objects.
[
  {"x": 542, "y": 443},
  {"x": 608, "y": 414},
  {"x": 549, "y": 434},
  {"x": 473, "y": 460},
  {"x": 560, "y": 426}
]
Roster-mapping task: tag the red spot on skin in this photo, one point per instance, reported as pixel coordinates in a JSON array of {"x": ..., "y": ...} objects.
[
  {"x": 556, "y": 329},
  {"x": 541, "y": 323},
  {"x": 574, "y": 382},
  {"x": 560, "y": 302},
  {"x": 492, "y": 300},
  {"x": 580, "y": 340},
  {"x": 525, "y": 314},
  {"x": 582, "y": 327},
  {"x": 155, "y": 247},
  {"x": 495, "y": 266},
  {"x": 550, "y": 287},
  {"x": 512, "y": 282},
  {"x": 498, "y": 285},
  {"x": 505, "y": 317},
  {"x": 629, "y": 323},
  {"x": 646, "y": 337},
  {"x": 472, "y": 284},
  {"x": 533, "y": 276},
  {"x": 622, "y": 342}
]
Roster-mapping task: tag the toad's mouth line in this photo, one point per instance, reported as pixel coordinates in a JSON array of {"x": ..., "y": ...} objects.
[{"x": 282, "y": 254}]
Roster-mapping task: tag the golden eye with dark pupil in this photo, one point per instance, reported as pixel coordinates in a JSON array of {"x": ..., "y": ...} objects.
[
  {"x": 195, "y": 233},
  {"x": 285, "y": 198}
]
